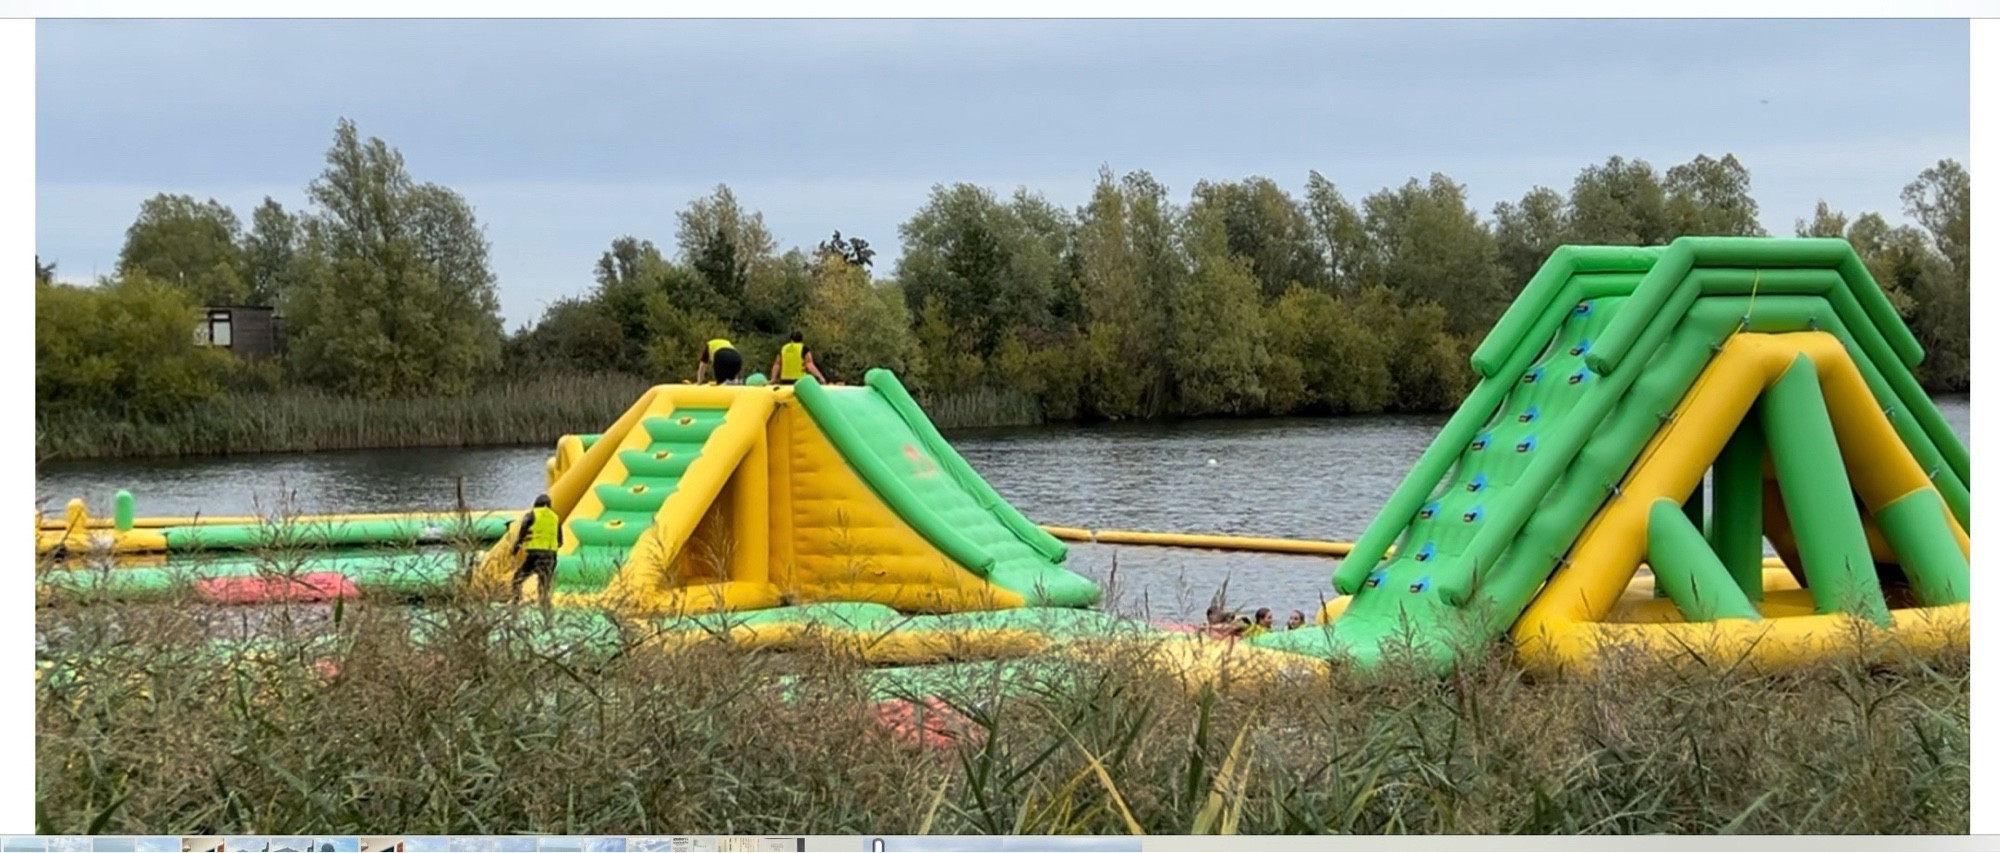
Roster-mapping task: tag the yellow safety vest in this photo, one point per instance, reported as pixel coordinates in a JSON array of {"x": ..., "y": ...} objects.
[
  {"x": 793, "y": 361},
  {"x": 542, "y": 536},
  {"x": 716, "y": 346}
]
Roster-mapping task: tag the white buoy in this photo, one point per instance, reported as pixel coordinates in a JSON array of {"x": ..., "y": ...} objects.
[{"x": 1211, "y": 463}]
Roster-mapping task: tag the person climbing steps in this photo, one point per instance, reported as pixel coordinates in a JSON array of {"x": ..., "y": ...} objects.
[{"x": 540, "y": 535}]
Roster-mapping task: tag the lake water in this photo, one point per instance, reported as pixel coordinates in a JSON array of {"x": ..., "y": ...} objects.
[{"x": 1310, "y": 478}]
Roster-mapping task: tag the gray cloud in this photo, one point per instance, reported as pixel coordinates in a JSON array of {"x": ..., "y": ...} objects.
[{"x": 566, "y": 134}]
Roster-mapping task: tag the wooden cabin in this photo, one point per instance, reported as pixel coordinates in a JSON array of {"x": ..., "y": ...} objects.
[{"x": 248, "y": 331}]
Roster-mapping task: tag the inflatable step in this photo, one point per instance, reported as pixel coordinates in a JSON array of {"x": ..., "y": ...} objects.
[
  {"x": 687, "y": 426},
  {"x": 613, "y": 527},
  {"x": 587, "y": 569},
  {"x": 636, "y": 494},
  {"x": 662, "y": 460}
]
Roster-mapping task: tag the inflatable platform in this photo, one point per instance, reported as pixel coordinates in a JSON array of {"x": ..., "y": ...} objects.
[
  {"x": 728, "y": 498},
  {"x": 1678, "y": 406}
]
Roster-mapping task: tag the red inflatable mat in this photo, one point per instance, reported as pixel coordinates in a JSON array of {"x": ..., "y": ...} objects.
[{"x": 316, "y": 586}]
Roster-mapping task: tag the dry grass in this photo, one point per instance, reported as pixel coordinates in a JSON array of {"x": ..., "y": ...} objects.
[
  {"x": 298, "y": 421},
  {"x": 486, "y": 721}
]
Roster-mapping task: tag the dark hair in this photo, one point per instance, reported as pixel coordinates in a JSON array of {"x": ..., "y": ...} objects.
[
  {"x": 1263, "y": 612},
  {"x": 798, "y": 337},
  {"x": 541, "y": 500}
]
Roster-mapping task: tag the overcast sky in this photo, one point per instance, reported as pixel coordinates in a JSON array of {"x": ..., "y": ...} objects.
[{"x": 565, "y": 135}]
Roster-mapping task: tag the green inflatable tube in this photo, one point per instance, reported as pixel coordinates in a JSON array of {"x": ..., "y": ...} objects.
[
  {"x": 1430, "y": 468},
  {"x": 885, "y": 383},
  {"x": 1684, "y": 566},
  {"x": 1736, "y": 530},
  {"x": 1442, "y": 455},
  {"x": 121, "y": 510},
  {"x": 1688, "y": 252},
  {"x": 396, "y": 574},
  {"x": 1644, "y": 310},
  {"x": 1920, "y": 534},
  {"x": 1601, "y": 465},
  {"x": 1839, "y": 569},
  {"x": 847, "y": 440},
  {"x": 1547, "y": 288},
  {"x": 241, "y": 537},
  {"x": 1865, "y": 335},
  {"x": 1828, "y": 253},
  {"x": 1553, "y": 459},
  {"x": 1533, "y": 301},
  {"x": 1930, "y": 438}
]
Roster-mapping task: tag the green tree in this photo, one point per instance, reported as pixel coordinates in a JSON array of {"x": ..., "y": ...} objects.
[
  {"x": 1428, "y": 367},
  {"x": 270, "y": 252},
  {"x": 44, "y": 273},
  {"x": 779, "y": 290},
  {"x": 724, "y": 243},
  {"x": 1323, "y": 360},
  {"x": 1267, "y": 228},
  {"x": 1940, "y": 200},
  {"x": 394, "y": 296},
  {"x": 1826, "y": 222},
  {"x": 990, "y": 267},
  {"x": 572, "y": 336},
  {"x": 853, "y": 325},
  {"x": 1619, "y": 203},
  {"x": 1219, "y": 344},
  {"x": 1430, "y": 246},
  {"x": 854, "y": 251},
  {"x": 191, "y": 245},
  {"x": 1711, "y": 198},
  {"x": 1525, "y": 234},
  {"x": 1341, "y": 236},
  {"x": 124, "y": 349},
  {"x": 1126, "y": 261}
]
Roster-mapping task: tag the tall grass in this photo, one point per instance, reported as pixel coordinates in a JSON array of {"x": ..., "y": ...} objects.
[
  {"x": 981, "y": 407},
  {"x": 484, "y": 729},
  {"x": 520, "y": 412}
]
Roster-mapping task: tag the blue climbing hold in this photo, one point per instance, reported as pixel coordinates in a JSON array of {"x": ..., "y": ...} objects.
[
  {"x": 1533, "y": 376},
  {"x": 1526, "y": 445},
  {"x": 1580, "y": 348},
  {"x": 1579, "y": 376},
  {"x": 1376, "y": 578},
  {"x": 1530, "y": 415},
  {"x": 1583, "y": 308},
  {"x": 1430, "y": 509},
  {"x": 1477, "y": 483},
  {"x": 1474, "y": 515},
  {"x": 1425, "y": 553},
  {"x": 1423, "y": 583},
  {"x": 1482, "y": 440}
]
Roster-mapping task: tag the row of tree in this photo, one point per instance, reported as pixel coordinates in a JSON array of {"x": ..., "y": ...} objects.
[{"x": 1242, "y": 299}]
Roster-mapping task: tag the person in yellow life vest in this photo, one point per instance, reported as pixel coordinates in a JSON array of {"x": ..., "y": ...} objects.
[
  {"x": 540, "y": 535},
  {"x": 722, "y": 356},
  {"x": 794, "y": 361}
]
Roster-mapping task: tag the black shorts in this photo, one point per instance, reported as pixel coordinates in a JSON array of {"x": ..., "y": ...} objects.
[
  {"x": 727, "y": 363},
  {"x": 537, "y": 564}
]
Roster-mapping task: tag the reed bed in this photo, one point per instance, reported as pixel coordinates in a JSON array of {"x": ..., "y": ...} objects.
[
  {"x": 533, "y": 411},
  {"x": 483, "y": 729},
  {"x": 981, "y": 407}
]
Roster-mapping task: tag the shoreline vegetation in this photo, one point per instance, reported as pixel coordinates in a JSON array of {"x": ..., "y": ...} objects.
[
  {"x": 1235, "y": 298},
  {"x": 532, "y": 412},
  {"x": 342, "y": 718}
]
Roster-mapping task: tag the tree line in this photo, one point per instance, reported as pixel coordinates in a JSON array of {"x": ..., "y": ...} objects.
[{"x": 1239, "y": 299}]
